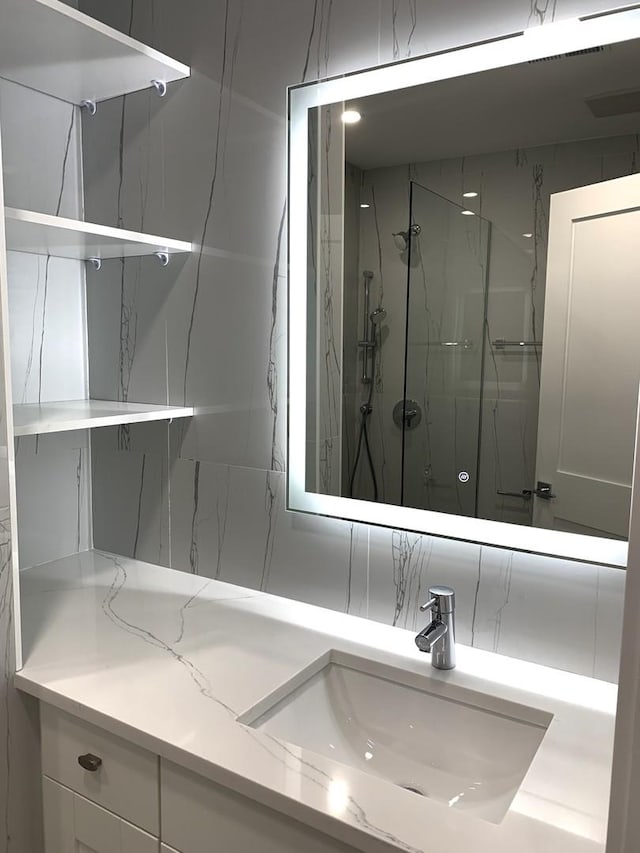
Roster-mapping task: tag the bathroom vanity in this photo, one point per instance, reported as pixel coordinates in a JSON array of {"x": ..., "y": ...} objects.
[
  {"x": 184, "y": 714},
  {"x": 144, "y": 672}
]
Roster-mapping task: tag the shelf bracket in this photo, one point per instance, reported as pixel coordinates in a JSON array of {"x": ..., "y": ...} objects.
[
  {"x": 89, "y": 106},
  {"x": 160, "y": 86},
  {"x": 163, "y": 257},
  {"x": 96, "y": 263}
]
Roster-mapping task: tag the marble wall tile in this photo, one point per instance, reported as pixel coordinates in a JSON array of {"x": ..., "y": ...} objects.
[
  {"x": 207, "y": 164},
  {"x": 47, "y": 328},
  {"x": 231, "y": 523},
  {"x": 402, "y": 566},
  {"x": 40, "y": 152},
  {"x": 131, "y": 497},
  {"x": 53, "y": 496},
  {"x": 547, "y": 610}
]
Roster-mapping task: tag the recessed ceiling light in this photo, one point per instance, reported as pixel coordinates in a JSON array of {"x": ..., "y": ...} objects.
[
  {"x": 467, "y": 212},
  {"x": 528, "y": 235},
  {"x": 351, "y": 116},
  {"x": 470, "y": 194},
  {"x": 364, "y": 205}
]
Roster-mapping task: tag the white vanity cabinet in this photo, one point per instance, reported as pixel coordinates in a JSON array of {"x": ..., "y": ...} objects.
[
  {"x": 100, "y": 793},
  {"x": 128, "y": 800},
  {"x": 73, "y": 824},
  {"x": 199, "y": 816},
  {"x": 121, "y": 778}
]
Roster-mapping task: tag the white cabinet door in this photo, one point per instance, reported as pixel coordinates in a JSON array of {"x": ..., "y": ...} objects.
[
  {"x": 73, "y": 824},
  {"x": 126, "y": 782},
  {"x": 201, "y": 817},
  {"x": 591, "y": 358}
]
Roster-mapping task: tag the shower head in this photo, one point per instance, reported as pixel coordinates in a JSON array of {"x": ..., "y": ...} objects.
[
  {"x": 406, "y": 236},
  {"x": 377, "y": 316},
  {"x": 368, "y": 274}
]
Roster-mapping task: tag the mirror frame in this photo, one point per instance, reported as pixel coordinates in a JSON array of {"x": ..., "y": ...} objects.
[{"x": 608, "y": 27}]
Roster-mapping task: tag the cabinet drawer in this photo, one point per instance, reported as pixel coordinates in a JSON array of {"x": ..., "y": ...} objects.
[
  {"x": 126, "y": 780},
  {"x": 73, "y": 824},
  {"x": 200, "y": 817}
]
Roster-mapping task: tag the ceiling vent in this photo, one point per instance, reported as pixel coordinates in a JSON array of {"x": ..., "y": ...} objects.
[{"x": 584, "y": 52}]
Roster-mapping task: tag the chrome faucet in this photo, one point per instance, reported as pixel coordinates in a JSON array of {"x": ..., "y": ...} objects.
[{"x": 439, "y": 635}]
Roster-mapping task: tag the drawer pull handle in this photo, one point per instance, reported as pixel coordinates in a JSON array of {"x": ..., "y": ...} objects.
[{"x": 89, "y": 762}]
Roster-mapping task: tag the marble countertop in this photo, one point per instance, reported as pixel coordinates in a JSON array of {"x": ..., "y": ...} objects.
[{"x": 169, "y": 660}]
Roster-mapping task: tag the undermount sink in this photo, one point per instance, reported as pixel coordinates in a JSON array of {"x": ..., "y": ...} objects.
[{"x": 466, "y": 749}]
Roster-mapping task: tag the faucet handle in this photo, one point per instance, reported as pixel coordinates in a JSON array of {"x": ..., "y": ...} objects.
[{"x": 443, "y": 600}]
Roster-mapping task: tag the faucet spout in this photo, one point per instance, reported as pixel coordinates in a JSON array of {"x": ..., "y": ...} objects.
[{"x": 430, "y": 635}]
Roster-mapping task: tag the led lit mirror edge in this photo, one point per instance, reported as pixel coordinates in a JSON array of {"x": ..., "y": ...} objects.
[{"x": 536, "y": 43}]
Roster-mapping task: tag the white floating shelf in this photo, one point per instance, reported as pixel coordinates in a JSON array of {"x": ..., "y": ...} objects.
[
  {"x": 59, "y": 51},
  {"x": 39, "y": 418},
  {"x": 42, "y": 234}
]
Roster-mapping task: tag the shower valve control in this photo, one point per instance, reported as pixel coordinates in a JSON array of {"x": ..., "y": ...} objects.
[{"x": 407, "y": 414}]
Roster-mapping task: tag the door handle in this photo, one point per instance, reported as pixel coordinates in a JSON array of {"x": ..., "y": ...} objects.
[
  {"x": 542, "y": 490},
  {"x": 525, "y": 494}
]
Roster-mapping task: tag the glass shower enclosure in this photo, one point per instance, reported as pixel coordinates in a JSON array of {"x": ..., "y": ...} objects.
[{"x": 447, "y": 296}]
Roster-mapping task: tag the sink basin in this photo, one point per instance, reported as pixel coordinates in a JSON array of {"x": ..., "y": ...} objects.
[{"x": 465, "y": 749}]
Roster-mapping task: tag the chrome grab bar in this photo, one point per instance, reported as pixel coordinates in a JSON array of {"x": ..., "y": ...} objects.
[
  {"x": 465, "y": 344},
  {"x": 501, "y": 343}
]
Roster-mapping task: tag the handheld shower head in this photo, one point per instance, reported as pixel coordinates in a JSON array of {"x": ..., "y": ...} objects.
[{"x": 377, "y": 316}]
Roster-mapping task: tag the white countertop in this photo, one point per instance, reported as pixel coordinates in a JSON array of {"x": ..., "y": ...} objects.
[{"x": 169, "y": 660}]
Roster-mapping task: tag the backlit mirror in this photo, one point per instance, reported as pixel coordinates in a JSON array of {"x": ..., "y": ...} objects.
[{"x": 464, "y": 291}]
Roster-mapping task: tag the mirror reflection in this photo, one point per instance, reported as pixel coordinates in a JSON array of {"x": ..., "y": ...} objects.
[{"x": 473, "y": 291}]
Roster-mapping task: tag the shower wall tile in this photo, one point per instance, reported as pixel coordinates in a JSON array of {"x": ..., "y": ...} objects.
[{"x": 53, "y": 493}]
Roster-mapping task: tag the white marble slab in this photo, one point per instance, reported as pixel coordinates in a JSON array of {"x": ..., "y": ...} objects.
[
  {"x": 113, "y": 639},
  {"x": 36, "y": 419}
]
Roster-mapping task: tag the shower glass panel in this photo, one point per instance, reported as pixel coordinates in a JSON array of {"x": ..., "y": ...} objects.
[{"x": 445, "y": 344}]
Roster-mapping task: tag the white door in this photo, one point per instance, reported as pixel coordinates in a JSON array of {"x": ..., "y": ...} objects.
[
  {"x": 590, "y": 359},
  {"x": 73, "y": 824}
]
